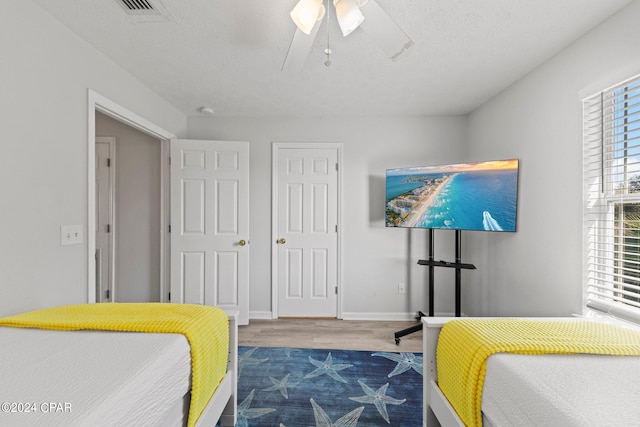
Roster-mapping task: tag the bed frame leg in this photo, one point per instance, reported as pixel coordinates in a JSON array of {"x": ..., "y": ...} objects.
[{"x": 230, "y": 413}]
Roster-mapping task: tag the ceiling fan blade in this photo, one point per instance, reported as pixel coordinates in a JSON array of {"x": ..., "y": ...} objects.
[
  {"x": 299, "y": 50},
  {"x": 384, "y": 31}
]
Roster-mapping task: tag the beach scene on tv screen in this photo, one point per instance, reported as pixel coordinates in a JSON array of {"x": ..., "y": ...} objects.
[{"x": 467, "y": 196}]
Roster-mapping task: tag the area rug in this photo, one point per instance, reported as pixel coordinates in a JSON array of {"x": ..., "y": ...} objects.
[{"x": 290, "y": 387}]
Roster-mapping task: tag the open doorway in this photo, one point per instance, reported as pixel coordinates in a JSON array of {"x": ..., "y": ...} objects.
[
  {"x": 98, "y": 105},
  {"x": 128, "y": 240}
]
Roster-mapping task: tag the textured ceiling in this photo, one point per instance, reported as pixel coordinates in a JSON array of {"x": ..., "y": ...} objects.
[{"x": 228, "y": 54}]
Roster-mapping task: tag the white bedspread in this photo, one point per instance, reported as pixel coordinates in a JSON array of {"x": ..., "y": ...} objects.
[
  {"x": 562, "y": 390},
  {"x": 91, "y": 378}
]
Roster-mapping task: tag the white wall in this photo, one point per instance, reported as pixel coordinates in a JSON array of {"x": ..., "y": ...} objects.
[
  {"x": 137, "y": 222},
  {"x": 375, "y": 259},
  {"x": 538, "y": 270},
  {"x": 45, "y": 72}
]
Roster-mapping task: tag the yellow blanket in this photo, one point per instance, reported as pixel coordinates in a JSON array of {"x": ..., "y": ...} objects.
[
  {"x": 206, "y": 329},
  {"x": 464, "y": 346}
]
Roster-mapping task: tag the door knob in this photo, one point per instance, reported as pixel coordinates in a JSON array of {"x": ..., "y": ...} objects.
[
  {"x": 242, "y": 242},
  {"x": 282, "y": 241}
]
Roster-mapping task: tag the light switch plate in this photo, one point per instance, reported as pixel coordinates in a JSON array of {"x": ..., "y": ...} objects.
[{"x": 70, "y": 235}]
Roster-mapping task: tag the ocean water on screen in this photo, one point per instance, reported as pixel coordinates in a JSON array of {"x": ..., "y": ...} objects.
[
  {"x": 396, "y": 185},
  {"x": 482, "y": 200}
]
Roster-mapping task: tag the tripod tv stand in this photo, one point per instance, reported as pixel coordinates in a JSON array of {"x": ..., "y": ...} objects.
[{"x": 432, "y": 264}]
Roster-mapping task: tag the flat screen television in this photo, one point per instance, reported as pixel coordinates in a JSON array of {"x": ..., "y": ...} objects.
[{"x": 467, "y": 196}]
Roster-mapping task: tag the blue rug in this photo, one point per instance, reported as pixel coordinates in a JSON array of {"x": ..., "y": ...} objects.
[{"x": 290, "y": 387}]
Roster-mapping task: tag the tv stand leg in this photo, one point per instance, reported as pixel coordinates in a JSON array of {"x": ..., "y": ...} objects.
[
  {"x": 407, "y": 331},
  {"x": 410, "y": 330},
  {"x": 418, "y": 327}
]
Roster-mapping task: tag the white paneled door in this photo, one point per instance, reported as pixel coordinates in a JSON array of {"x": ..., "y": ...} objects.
[
  {"x": 210, "y": 224},
  {"x": 306, "y": 229}
]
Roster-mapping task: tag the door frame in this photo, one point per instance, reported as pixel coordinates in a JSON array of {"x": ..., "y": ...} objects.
[
  {"x": 112, "y": 215},
  {"x": 275, "y": 147},
  {"x": 98, "y": 103}
]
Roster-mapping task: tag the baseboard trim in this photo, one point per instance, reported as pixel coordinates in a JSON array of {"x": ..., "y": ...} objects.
[
  {"x": 260, "y": 315},
  {"x": 389, "y": 317},
  {"x": 383, "y": 317}
]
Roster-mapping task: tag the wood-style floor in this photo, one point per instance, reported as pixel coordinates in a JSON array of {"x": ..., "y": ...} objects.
[{"x": 329, "y": 334}]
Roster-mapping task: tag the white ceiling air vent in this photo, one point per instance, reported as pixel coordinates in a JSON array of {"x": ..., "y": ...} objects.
[
  {"x": 145, "y": 10},
  {"x": 137, "y": 7}
]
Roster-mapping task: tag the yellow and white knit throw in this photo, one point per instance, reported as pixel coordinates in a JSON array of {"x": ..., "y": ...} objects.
[
  {"x": 464, "y": 345},
  {"x": 206, "y": 328}
]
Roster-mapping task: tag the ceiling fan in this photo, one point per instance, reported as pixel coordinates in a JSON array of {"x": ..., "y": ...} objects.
[{"x": 351, "y": 14}]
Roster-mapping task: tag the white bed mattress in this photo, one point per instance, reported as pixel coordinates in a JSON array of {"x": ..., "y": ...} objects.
[
  {"x": 561, "y": 390},
  {"x": 93, "y": 378}
]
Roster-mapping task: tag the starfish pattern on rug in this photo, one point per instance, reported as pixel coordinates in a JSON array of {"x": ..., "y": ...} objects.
[
  {"x": 405, "y": 362},
  {"x": 289, "y": 351},
  {"x": 379, "y": 398},
  {"x": 281, "y": 386},
  {"x": 323, "y": 420},
  {"x": 245, "y": 412},
  {"x": 246, "y": 359},
  {"x": 327, "y": 367},
  {"x": 277, "y": 384}
]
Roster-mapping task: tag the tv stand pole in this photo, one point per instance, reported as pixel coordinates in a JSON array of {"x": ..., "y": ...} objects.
[
  {"x": 431, "y": 276},
  {"x": 458, "y": 273},
  {"x": 432, "y": 263}
]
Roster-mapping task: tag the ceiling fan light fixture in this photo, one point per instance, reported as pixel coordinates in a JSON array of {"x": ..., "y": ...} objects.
[
  {"x": 306, "y": 13},
  {"x": 349, "y": 15}
]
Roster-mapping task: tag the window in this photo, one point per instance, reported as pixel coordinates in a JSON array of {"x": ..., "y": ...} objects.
[{"x": 612, "y": 200}]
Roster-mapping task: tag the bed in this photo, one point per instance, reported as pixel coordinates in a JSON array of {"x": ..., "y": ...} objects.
[
  {"x": 75, "y": 372},
  {"x": 549, "y": 388}
]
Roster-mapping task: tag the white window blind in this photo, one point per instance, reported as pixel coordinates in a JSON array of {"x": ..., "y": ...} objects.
[{"x": 611, "y": 186}]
